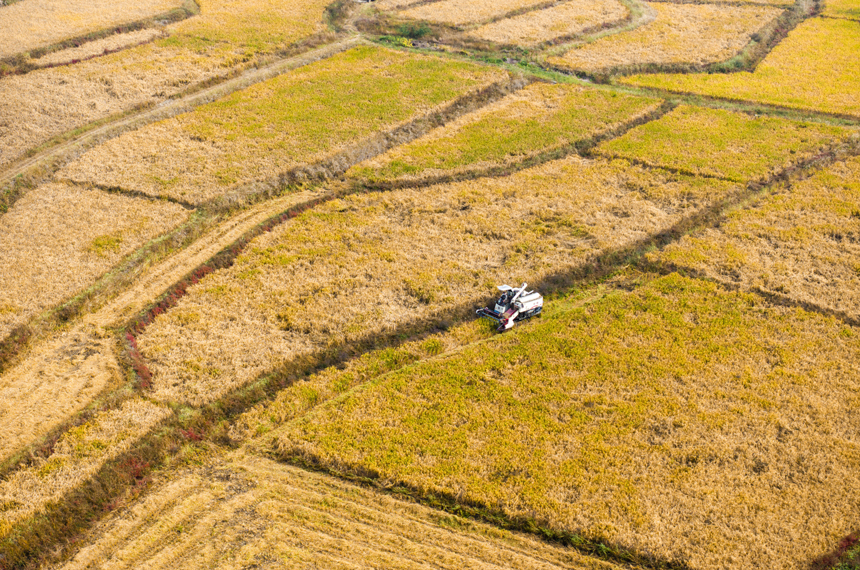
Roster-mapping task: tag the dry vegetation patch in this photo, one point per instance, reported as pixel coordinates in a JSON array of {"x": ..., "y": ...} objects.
[
  {"x": 540, "y": 118},
  {"x": 802, "y": 242},
  {"x": 721, "y": 143},
  {"x": 680, "y": 420},
  {"x": 296, "y": 119},
  {"x": 562, "y": 21},
  {"x": 814, "y": 68},
  {"x": 58, "y": 239},
  {"x": 371, "y": 263},
  {"x": 110, "y": 44},
  {"x": 247, "y": 509},
  {"x": 77, "y": 456},
  {"x": 694, "y": 34},
  {"x": 460, "y": 12},
  {"x": 41, "y": 23},
  {"x": 227, "y": 34}
]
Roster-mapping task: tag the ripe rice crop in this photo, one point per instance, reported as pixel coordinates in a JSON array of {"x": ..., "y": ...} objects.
[
  {"x": 299, "y": 118},
  {"x": 58, "y": 239},
  {"x": 539, "y": 118},
  {"x": 562, "y": 21},
  {"x": 802, "y": 242},
  {"x": 700, "y": 426},
  {"x": 721, "y": 143},
  {"x": 370, "y": 263},
  {"x": 460, "y": 12},
  {"x": 814, "y": 68},
  {"x": 77, "y": 456},
  {"x": 110, "y": 44},
  {"x": 227, "y": 34},
  {"x": 694, "y": 34},
  {"x": 848, "y": 9},
  {"x": 246, "y": 508},
  {"x": 41, "y": 23}
]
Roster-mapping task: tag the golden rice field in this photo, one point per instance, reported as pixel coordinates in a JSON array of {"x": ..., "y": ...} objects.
[
  {"x": 463, "y": 12},
  {"x": 76, "y": 457},
  {"x": 109, "y": 44},
  {"x": 694, "y": 34},
  {"x": 848, "y": 9},
  {"x": 41, "y": 23},
  {"x": 538, "y": 119},
  {"x": 226, "y": 35},
  {"x": 802, "y": 242},
  {"x": 726, "y": 144},
  {"x": 814, "y": 68},
  {"x": 701, "y": 426},
  {"x": 561, "y": 21},
  {"x": 245, "y": 509},
  {"x": 370, "y": 263},
  {"x": 58, "y": 239},
  {"x": 297, "y": 119}
]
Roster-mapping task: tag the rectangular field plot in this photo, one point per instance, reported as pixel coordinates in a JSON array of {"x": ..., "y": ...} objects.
[
  {"x": 41, "y": 23},
  {"x": 693, "y": 34},
  {"x": 77, "y": 456},
  {"x": 462, "y": 12},
  {"x": 378, "y": 263},
  {"x": 729, "y": 145},
  {"x": 58, "y": 239},
  {"x": 299, "y": 118},
  {"x": 697, "y": 425},
  {"x": 803, "y": 242},
  {"x": 249, "y": 508},
  {"x": 562, "y": 21},
  {"x": 538, "y": 119},
  {"x": 814, "y": 68},
  {"x": 227, "y": 33}
]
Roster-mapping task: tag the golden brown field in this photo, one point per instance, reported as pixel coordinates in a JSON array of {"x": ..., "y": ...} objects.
[
  {"x": 680, "y": 34},
  {"x": 461, "y": 12},
  {"x": 562, "y": 21},
  {"x": 112, "y": 43},
  {"x": 41, "y": 23}
]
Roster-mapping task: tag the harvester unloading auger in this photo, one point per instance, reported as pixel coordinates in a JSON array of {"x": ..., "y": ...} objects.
[{"x": 513, "y": 306}]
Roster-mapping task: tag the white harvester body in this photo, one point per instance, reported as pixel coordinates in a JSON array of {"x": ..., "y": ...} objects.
[{"x": 515, "y": 304}]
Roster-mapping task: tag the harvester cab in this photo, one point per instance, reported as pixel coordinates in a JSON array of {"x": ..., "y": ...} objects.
[{"x": 515, "y": 304}]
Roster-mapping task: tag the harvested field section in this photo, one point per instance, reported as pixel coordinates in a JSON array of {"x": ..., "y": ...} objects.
[
  {"x": 45, "y": 391},
  {"x": 802, "y": 242},
  {"x": 562, "y": 21},
  {"x": 539, "y": 118},
  {"x": 58, "y": 239},
  {"x": 293, "y": 120},
  {"x": 247, "y": 509},
  {"x": 715, "y": 142},
  {"x": 692, "y": 34},
  {"x": 227, "y": 34},
  {"x": 460, "y": 12},
  {"x": 77, "y": 456},
  {"x": 371, "y": 263},
  {"x": 814, "y": 68},
  {"x": 41, "y": 23},
  {"x": 110, "y": 44},
  {"x": 725, "y": 430}
]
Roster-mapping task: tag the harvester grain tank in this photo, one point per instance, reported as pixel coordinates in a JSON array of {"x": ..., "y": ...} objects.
[{"x": 515, "y": 304}]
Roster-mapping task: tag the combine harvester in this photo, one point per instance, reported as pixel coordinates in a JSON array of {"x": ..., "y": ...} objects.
[{"x": 513, "y": 306}]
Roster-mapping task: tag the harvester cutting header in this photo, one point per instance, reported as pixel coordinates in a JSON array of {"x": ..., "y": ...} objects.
[{"x": 513, "y": 306}]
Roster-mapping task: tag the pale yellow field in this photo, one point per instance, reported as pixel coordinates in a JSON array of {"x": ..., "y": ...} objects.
[
  {"x": 246, "y": 509},
  {"x": 41, "y": 23},
  {"x": 680, "y": 34},
  {"x": 59, "y": 239},
  {"x": 460, "y": 12},
  {"x": 77, "y": 456},
  {"x": 814, "y": 68},
  {"x": 564, "y": 20},
  {"x": 297, "y": 119},
  {"x": 802, "y": 242},
  {"x": 113, "y": 43},
  {"x": 369, "y": 263}
]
